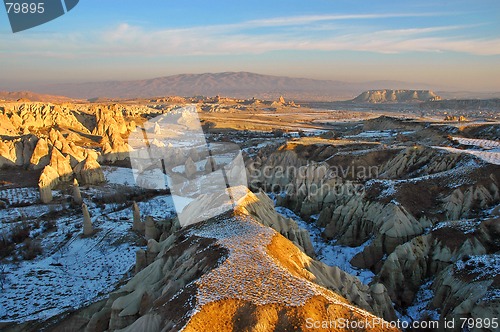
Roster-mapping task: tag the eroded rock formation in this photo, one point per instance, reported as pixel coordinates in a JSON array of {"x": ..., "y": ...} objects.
[{"x": 230, "y": 263}]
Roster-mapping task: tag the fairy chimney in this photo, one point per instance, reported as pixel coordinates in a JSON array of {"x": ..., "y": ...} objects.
[
  {"x": 190, "y": 168},
  {"x": 88, "y": 229},
  {"x": 77, "y": 196},
  {"x": 151, "y": 232},
  {"x": 138, "y": 225}
]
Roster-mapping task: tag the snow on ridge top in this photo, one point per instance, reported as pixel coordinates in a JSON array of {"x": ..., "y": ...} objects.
[
  {"x": 208, "y": 206},
  {"x": 465, "y": 226},
  {"x": 481, "y": 266},
  {"x": 490, "y": 156},
  {"x": 483, "y": 143},
  {"x": 250, "y": 273}
]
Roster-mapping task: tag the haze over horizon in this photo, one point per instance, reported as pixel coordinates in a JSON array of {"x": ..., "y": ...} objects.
[{"x": 448, "y": 44}]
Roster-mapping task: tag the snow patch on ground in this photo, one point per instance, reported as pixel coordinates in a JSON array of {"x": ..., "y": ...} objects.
[
  {"x": 465, "y": 226},
  {"x": 151, "y": 179},
  {"x": 480, "y": 267},
  {"x": 19, "y": 196},
  {"x": 75, "y": 271},
  {"x": 374, "y": 134},
  {"x": 419, "y": 311},
  {"x": 72, "y": 270},
  {"x": 456, "y": 177},
  {"x": 490, "y": 156},
  {"x": 483, "y": 143}
]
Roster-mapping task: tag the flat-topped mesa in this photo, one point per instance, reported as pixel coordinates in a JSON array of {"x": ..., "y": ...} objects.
[{"x": 396, "y": 96}]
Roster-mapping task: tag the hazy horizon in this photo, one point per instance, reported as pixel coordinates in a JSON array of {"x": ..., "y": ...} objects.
[{"x": 455, "y": 46}]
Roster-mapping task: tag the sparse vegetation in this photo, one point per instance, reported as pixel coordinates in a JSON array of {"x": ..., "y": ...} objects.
[{"x": 31, "y": 249}]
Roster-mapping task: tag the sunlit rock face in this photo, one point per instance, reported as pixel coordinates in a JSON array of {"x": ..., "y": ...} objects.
[{"x": 233, "y": 263}]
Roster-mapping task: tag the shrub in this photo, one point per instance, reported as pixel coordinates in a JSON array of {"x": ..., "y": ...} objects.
[
  {"x": 20, "y": 232},
  {"x": 49, "y": 225},
  {"x": 31, "y": 249},
  {"x": 6, "y": 246},
  {"x": 207, "y": 125},
  {"x": 278, "y": 132}
]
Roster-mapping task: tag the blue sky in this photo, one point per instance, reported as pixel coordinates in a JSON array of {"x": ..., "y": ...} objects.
[{"x": 450, "y": 44}]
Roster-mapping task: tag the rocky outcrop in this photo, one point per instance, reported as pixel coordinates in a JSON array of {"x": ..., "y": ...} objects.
[
  {"x": 395, "y": 213},
  {"x": 260, "y": 206},
  {"x": 17, "y": 151},
  {"x": 412, "y": 263},
  {"x": 418, "y": 161},
  {"x": 469, "y": 288},
  {"x": 41, "y": 154},
  {"x": 344, "y": 212},
  {"x": 111, "y": 125},
  {"x": 190, "y": 168},
  {"x": 34, "y": 116},
  {"x": 210, "y": 165},
  {"x": 62, "y": 165},
  {"x": 58, "y": 170},
  {"x": 462, "y": 200},
  {"x": 33, "y": 152},
  {"x": 306, "y": 185},
  {"x": 6, "y": 126},
  {"x": 426, "y": 256},
  {"x": 114, "y": 147},
  {"x": 89, "y": 172},
  {"x": 109, "y": 119},
  {"x": 358, "y": 220}
]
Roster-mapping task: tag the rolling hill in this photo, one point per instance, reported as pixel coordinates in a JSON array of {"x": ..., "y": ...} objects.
[{"x": 33, "y": 96}]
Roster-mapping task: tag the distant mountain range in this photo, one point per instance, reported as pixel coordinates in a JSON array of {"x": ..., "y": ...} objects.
[{"x": 231, "y": 84}]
